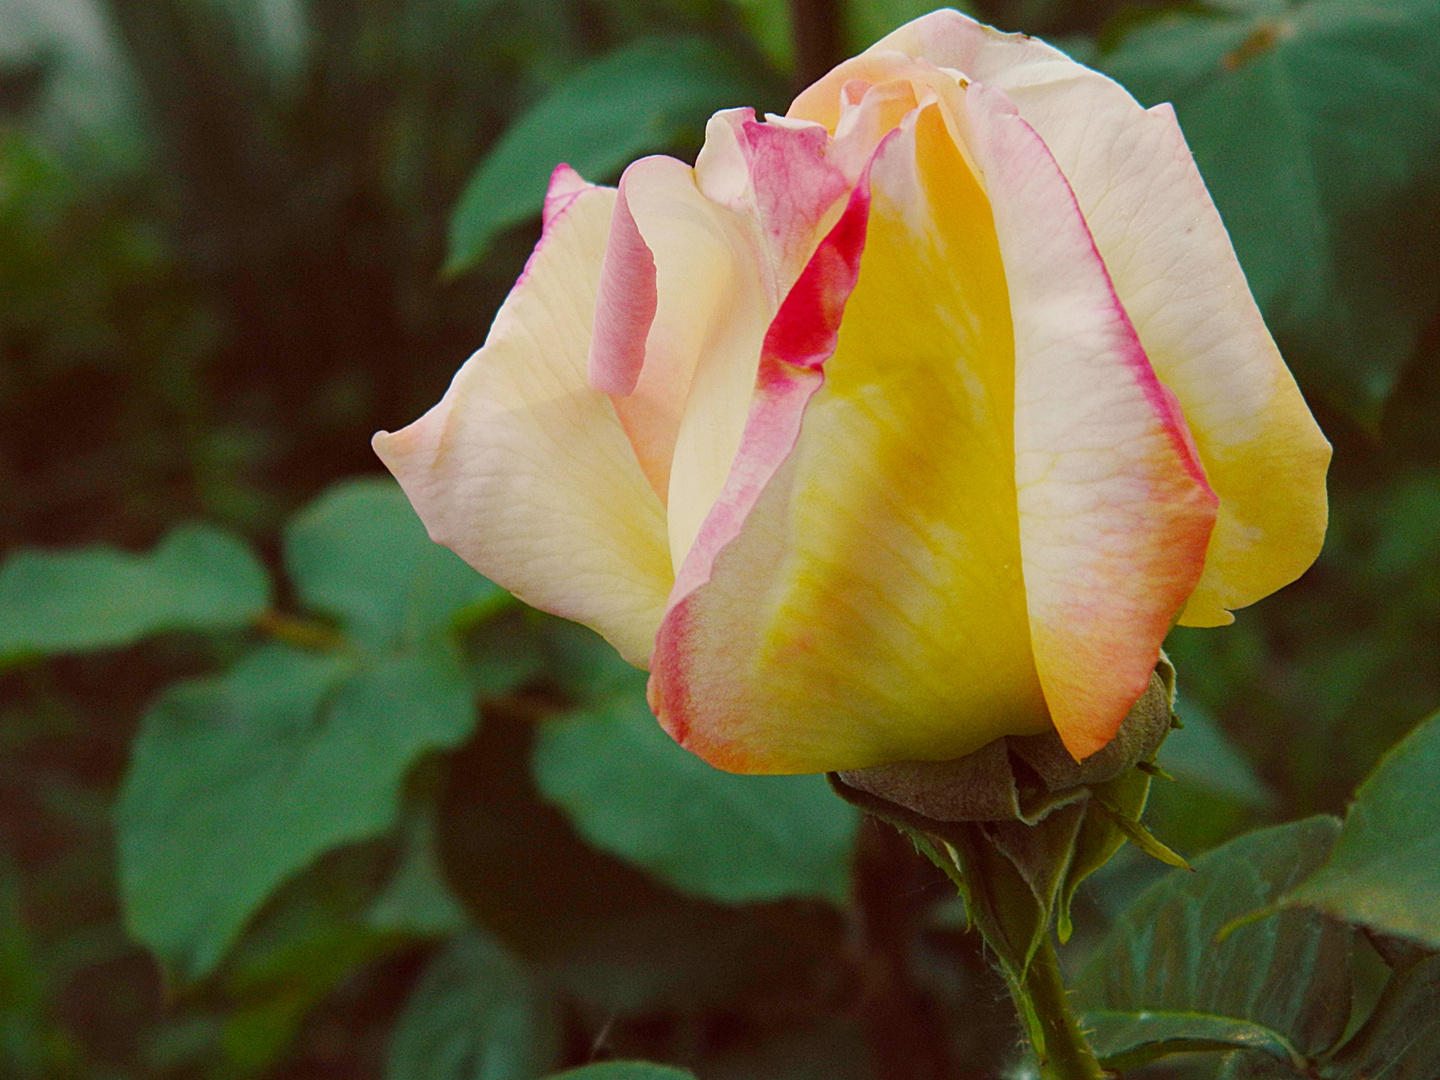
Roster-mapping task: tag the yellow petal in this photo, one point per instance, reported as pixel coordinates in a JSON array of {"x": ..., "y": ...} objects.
[
  {"x": 1115, "y": 513},
  {"x": 871, "y": 609},
  {"x": 1175, "y": 271}
]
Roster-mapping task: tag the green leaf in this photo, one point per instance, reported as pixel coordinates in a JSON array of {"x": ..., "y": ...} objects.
[
  {"x": 1099, "y": 838},
  {"x": 358, "y": 552},
  {"x": 473, "y": 1015},
  {"x": 623, "y": 1070},
  {"x": 197, "y": 578},
  {"x": 768, "y": 22},
  {"x": 1317, "y": 128},
  {"x": 867, "y": 21},
  {"x": 638, "y": 99},
  {"x": 239, "y": 781},
  {"x": 600, "y": 930},
  {"x": 310, "y": 938},
  {"x": 1401, "y": 1039},
  {"x": 1125, "y": 1040},
  {"x": 1385, "y": 869},
  {"x": 417, "y": 900},
  {"x": 1201, "y": 754},
  {"x": 633, "y": 792},
  {"x": 1160, "y": 983}
]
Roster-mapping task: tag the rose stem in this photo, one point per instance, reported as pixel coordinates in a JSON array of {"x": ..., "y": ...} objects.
[{"x": 1066, "y": 1055}]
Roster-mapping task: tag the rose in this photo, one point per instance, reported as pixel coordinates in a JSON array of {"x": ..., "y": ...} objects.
[{"x": 909, "y": 420}]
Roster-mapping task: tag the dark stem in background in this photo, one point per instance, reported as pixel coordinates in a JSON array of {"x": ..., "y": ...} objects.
[
  {"x": 903, "y": 1024},
  {"x": 816, "y": 26}
]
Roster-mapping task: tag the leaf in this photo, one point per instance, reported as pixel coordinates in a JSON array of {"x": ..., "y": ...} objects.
[
  {"x": 599, "y": 930},
  {"x": 770, "y": 26},
  {"x": 633, "y": 792},
  {"x": 1317, "y": 128},
  {"x": 1401, "y": 1039},
  {"x": 358, "y": 552},
  {"x": 1200, "y": 753},
  {"x": 1160, "y": 983},
  {"x": 638, "y": 99},
  {"x": 1125, "y": 1040},
  {"x": 310, "y": 938},
  {"x": 239, "y": 781},
  {"x": 1385, "y": 869},
  {"x": 197, "y": 578},
  {"x": 1099, "y": 838},
  {"x": 623, "y": 1070},
  {"x": 867, "y": 21},
  {"x": 473, "y": 1015},
  {"x": 417, "y": 899}
]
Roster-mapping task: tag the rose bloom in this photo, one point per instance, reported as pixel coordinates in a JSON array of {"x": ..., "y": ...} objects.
[{"x": 908, "y": 420}]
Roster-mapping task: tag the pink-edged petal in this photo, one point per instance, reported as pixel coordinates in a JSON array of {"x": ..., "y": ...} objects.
[
  {"x": 1264, "y": 455},
  {"x": 779, "y": 174},
  {"x": 1115, "y": 512},
  {"x": 714, "y": 301},
  {"x": 565, "y": 184},
  {"x": 829, "y": 98},
  {"x": 728, "y": 240},
  {"x": 871, "y": 609},
  {"x": 1175, "y": 271},
  {"x": 798, "y": 342},
  {"x": 624, "y": 306},
  {"x": 523, "y": 470}
]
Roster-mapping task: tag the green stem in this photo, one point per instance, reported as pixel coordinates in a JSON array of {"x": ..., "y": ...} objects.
[{"x": 1054, "y": 1030}]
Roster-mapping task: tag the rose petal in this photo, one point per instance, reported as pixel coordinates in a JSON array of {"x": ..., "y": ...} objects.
[
  {"x": 728, "y": 239},
  {"x": 1115, "y": 513},
  {"x": 1176, "y": 273},
  {"x": 524, "y": 471},
  {"x": 871, "y": 609},
  {"x": 624, "y": 306}
]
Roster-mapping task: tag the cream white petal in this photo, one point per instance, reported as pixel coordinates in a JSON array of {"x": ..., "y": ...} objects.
[{"x": 524, "y": 470}]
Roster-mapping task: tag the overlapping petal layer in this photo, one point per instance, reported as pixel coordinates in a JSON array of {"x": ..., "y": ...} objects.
[
  {"x": 1176, "y": 274},
  {"x": 523, "y": 470},
  {"x": 872, "y": 607},
  {"x": 909, "y": 420},
  {"x": 1115, "y": 513}
]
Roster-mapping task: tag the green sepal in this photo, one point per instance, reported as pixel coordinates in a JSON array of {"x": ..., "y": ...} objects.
[
  {"x": 1099, "y": 838},
  {"x": 1142, "y": 837}
]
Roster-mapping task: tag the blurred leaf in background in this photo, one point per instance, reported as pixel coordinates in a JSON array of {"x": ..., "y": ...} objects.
[
  {"x": 1317, "y": 128},
  {"x": 634, "y": 793},
  {"x": 650, "y": 95},
  {"x": 197, "y": 579}
]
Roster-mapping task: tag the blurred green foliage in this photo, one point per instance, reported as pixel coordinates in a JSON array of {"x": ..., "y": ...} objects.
[{"x": 287, "y": 791}]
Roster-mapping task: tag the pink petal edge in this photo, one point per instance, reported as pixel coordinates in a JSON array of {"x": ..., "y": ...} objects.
[
  {"x": 800, "y": 339},
  {"x": 625, "y": 306},
  {"x": 1097, "y": 633}
]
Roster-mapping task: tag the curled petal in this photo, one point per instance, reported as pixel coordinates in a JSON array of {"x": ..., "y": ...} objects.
[
  {"x": 625, "y": 305},
  {"x": 565, "y": 185},
  {"x": 872, "y": 607},
  {"x": 728, "y": 239},
  {"x": 1115, "y": 512},
  {"x": 1175, "y": 271},
  {"x": 524, "y": 471}
]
